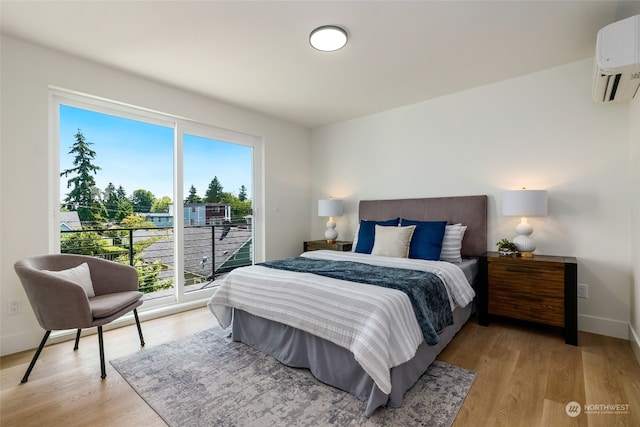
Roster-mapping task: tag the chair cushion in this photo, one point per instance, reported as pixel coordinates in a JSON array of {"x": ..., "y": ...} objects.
[
  {"x": 80, "y": 275},
  {"x": 106, "y": 305}
]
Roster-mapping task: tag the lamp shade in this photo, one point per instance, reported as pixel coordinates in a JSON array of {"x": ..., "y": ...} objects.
[
  {"x": 524, "y": 203},
  {"x": 330, "y": 207}
]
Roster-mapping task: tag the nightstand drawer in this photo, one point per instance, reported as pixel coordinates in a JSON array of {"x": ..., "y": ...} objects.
[
  {"x": 528, "y": 279},
  {"x": 527, "y": 306},
  {"x": 532, "y": 292}
]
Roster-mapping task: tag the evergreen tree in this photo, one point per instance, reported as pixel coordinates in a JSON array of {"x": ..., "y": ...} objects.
[
  {"x": 193, "y": 197},
  {"x": 121, "y": 193},
  {"x": 124, "y": 208},
  {"x": 242, "y": 196},
  {"x": 110, "y": 200},
  {"x": 82, "y": 183},
  {"x": 214, "y": 192}
]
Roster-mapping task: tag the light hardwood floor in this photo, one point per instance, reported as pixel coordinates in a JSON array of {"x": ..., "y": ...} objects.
[{"x": 525, "y": 378}]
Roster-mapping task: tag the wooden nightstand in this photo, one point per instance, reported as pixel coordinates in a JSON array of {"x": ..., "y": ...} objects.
[
  {"x": 542, "y": 289},
  {"x": 339, "y": 245}
]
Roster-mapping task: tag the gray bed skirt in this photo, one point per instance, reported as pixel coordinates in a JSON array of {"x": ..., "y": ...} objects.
[{"x": 335, "y": 365}]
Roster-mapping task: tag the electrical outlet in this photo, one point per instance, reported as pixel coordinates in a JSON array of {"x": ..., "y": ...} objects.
[
  {"x": 583, "y": 290},
  {"x": 15, "y": 305}
]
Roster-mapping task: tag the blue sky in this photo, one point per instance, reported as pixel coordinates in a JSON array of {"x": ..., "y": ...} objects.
[{"x": 138, "y": 155}]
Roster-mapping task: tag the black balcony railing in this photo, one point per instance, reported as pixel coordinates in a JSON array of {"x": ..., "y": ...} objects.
[{"x": 207, "y": 251}]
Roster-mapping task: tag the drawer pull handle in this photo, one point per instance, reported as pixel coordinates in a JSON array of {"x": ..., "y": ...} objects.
[{"x": 524, "y": 270}]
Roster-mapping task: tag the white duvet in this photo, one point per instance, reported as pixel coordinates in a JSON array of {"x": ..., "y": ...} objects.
[{"x": 376, "y": 324}]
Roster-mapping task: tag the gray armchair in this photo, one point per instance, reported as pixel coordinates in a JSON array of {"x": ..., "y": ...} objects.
[{"x": 60, "y": 303}]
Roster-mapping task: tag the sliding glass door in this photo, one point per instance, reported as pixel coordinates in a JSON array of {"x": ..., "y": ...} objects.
[
  {"x": 173, "y": 198},
  {"x": 217, "y": 208}
]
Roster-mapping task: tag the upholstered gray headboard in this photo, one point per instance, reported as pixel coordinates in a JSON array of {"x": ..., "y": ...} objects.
[{"x": 468, "y": 210}]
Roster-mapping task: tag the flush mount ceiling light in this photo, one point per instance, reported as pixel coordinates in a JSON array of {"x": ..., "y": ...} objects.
[{"x": 328, "y": 38}]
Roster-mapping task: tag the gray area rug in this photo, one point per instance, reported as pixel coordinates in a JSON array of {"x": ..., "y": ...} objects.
[{"x": 208, "y": 380}]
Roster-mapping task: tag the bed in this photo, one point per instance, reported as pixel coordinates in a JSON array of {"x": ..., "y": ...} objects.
[{"x": 319, "y": 328}]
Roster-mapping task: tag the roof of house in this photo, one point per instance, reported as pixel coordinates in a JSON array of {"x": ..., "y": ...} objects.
[
  {"x": 70, "y": 220},
  {"x": 198, "y": 247}
]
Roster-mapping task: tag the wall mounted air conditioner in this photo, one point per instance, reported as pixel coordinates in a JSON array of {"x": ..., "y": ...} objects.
[{"x": 617, "y": 61}]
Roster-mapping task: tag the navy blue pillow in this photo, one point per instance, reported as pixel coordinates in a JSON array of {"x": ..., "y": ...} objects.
[
  {"x": 426, "y": 242},
  {"x": 367, "y": 234}
]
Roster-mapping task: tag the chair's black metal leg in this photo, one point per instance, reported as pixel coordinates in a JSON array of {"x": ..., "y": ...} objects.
[
  {"x": 135, "y": 313},
  {"x": 101, "y": 344},
  {"x": 35, "y": 357},
  {"x": 75, "y": 347}
]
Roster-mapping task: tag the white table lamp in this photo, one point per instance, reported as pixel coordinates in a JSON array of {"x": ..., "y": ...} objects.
[
  {"x": 524, "y": 203},
  {"x": 330, "y": 208}
]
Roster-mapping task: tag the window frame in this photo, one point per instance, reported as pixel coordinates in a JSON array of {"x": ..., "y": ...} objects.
[{"x": 181, "y": 126}]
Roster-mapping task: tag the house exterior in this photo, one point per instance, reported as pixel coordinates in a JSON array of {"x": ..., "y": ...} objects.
[
  {"x": 206, "y": 213},
  {"x": 160, "y": 219},
  {"x": 195, "y": 214},
  {"x": 69, "y": 221}
]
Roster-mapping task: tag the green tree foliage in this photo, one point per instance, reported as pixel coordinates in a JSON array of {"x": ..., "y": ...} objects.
[
  {"x": 84, "y": 243},
  {"x": 193, "y": 196},
  {"x": 214, "y": 192},
  {"x": 84, "y": 196},
  {"x": 148, "y": 273},
  {"x": 136, "y": 221},
  {"x": 110, "y": 200},
  {"x": 121, "y": 193},
  {"x": 161, "y": 205},
  {"x": 242, "y": 195},
  {"x": 125, "y": 209},
  {"x": 239, "y": 208},
  {"x": 142, "y": 200},
  {"x": 116, "y": 203}
]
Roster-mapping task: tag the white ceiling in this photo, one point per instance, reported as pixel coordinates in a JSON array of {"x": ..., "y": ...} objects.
[{"x": 256, "y": 54}]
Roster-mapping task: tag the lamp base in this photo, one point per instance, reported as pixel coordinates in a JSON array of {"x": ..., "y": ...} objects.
[
  {"x": 331, "y": 242},
  {"x": 523, "y": 242},
  {"x": 330, "y": 235}
]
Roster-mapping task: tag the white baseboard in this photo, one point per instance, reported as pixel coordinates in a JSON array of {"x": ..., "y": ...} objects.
[
  {"x": 634, "y": 340},
  {"x": 29, "y": 341},
  {"x": 603, "y": 326},
  {"x": 16, "y": 343}
]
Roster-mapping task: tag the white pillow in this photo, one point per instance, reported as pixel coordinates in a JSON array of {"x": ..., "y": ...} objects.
[
  {"x": 392, "y": 241},
  {"x": 79, "y": 275},
  {"x": 452, "y": 243},
  {"x": 355, "y": 239}
]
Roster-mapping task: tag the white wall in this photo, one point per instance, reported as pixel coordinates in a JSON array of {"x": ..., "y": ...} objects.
[
  {"x": 542, "y": 131},
  {"x": 634, "y": 160},
  {"x": 28, "y": 71}
]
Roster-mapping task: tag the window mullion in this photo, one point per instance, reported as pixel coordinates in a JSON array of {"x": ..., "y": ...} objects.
[{"x": 178, "y": 211}]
